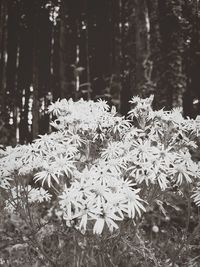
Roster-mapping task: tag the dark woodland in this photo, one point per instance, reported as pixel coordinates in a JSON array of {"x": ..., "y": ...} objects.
[{"x": 110, "y": 49}]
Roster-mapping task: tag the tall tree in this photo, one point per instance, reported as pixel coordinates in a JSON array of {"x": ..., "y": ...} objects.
[
  {"x": 141, "y": 53},
  {"x": 25, "y": 67},
  {"x": 11, "y": 75},
  {"x": 191, "y": 17},
  {"x": 171, "y": 84},
  {"x": 68, "y": 47},
  {"x": 3, "y": 53},
  {"x": 154, "y": 48},
  {"x": 35, "y": 75}
]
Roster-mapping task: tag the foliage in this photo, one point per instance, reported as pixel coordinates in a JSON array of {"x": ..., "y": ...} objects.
[{"x": 101, "y": 174}]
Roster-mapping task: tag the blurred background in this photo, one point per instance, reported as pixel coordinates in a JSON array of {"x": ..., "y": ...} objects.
[{"x": 111, "y": 49}]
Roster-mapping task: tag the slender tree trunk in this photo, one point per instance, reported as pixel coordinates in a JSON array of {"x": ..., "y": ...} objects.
[
  {"x": 192, "y": 61},
  {"x": 55, "y": 61},
  {"x": 172, "y": 83},
  {"x": 35, "y": 108},
  {"x": 155, "y": 49},
  {"x": 63, "y": 50},
  {"x": 127, "y": 53},
  {"x": 3, "y": 57},
  {"x": 88, "y": 77},
  {"x": 11, "y": 74},
  {"x": 67, "y": 49},
  {"x": 141, "y": 47},
  {"x": 116, "y": 49}
]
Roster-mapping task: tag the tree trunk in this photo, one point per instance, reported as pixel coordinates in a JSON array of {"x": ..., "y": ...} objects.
[
  {"x": 3, "y": 57},
  {"x": 35, "y": 79},
  {"x": 11, "y": 75},
  {"x": 155, "y": 49},
  {"x": 139, "y": 77},
  {"x": 67, "y": 49},
  {"x": 171, "y": 84}
]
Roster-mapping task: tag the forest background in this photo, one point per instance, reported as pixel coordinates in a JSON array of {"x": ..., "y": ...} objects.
[{"x": 110, "y": 49}]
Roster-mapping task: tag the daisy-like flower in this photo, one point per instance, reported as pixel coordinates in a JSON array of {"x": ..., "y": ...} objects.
[
  {"x": 103, "y": 105},
  {"x": 104, "y": 172},
  {"x": 162, "y": 180},
  {"x": 119, "y": 204},
  {"x": 193, "y": 125},
  {"x": 109, "y": 217},
  {"x": 100, "y": 133},
  {"x": 180, "y": 172},
  {"x": 157, "y": 115},
  {"x": 133, "y": 133},
  {"x": 184, "y": 157},
  {"x": 74, "y": 138},
  {"x": 38, "y": 195},
  {"x": 44, "y": 142},
  {"x": 63, "y": 165},
  {"x": 102, "y": 191},
  {"x": 55, "y": 108},
  {"x": 120, "y": 125},
  {"x": 196, "y": 196},
  {"x": 142, "y": 107},
  {"x": 114, "y": 150},
  {"x": 68, "y": 202},
  {"x": 133, "y": 202},
  {"x": 117, "y": 165},
  {"x": 166, "y": 155},
  {"x": 176, "y": 116},
  {"x": 143, "y": 172},
  {"x": 135, "y": 100},
  {"x": 143, "y": 150},
  {"x": 194, "y": 168},
  {"x": 47, "y": 174},
  {"x": 127, "y": 184},
  {"x": 156, "y": 132},
  {"x": 89, "y": 210}
]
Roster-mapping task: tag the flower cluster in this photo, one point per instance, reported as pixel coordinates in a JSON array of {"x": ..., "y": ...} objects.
[
  {"x": 32, "y": 195},
  {"x": 99, "y": 194},
  {"x": 101, "y": 166},
  {"x": 87, "y": 117}
]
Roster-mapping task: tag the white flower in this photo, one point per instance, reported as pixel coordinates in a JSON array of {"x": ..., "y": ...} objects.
[
  {"x": 38, "y": 194},
  {"x": 108, "y": 216},
  {"x": 143, "y": 150},
  {"x": 103, "y": 104},
  {"x": 63, "y": 164},
  {"x": 120, "y": 125},
  {"x": 133, "y": 133},
  {"x": 100, "y": 133},
  {"x": 162, "y": 180},
  {"x": 114, "y": 150},
  {"x": 176, "y": 116},
  {"x": 47, "y": 175},
  {"x": 88, "y": 211},
  {"x": 142, "y": 107},
  {"x": 144, "y": 172},
  {"x": 75, "y": 138},
  {"x": 196, "y": 197},
  {"x": 180, "y": 171},
  {"x": 166, "y": 155},
  {"x": 133, "y": 202},
  {"x": 55, "y": 108}
]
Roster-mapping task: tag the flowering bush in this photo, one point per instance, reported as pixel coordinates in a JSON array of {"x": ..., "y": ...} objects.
[{"x": 98, "y": 169}]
